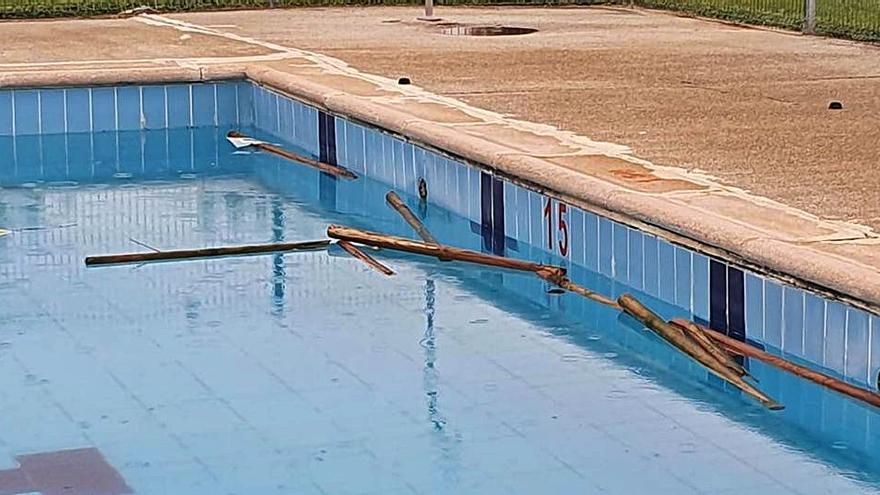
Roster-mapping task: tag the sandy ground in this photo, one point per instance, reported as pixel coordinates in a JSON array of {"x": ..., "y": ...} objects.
[{"x": 746, "y": 105}]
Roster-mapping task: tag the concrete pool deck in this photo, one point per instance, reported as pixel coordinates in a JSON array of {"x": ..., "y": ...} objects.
[{"x": 747, "y": 106}]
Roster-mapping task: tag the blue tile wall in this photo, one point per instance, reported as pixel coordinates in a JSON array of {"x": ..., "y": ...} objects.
[
  {"x": 510, "y": 219},
  {"x": 51, "y": 111},
  {"x": 103, "y": 109},
  {"x": 793, "y": 321},
  {"x": 6, "y": 117},
  {"x": 26, "y": 112}
]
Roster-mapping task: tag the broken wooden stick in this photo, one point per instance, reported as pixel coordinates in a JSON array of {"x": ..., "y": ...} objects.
[
  {"x": 355, "y": 252},
  {"x": 271, "y": 148},
  {"x": 745, "y": 349},
  {"x": 699, "y": 336},
  {"x": 410, "y": 217},
  {"x": 438, "y": 251},
  {"x": 679, "y": 339},
  {"x": 182, "y": 254}
]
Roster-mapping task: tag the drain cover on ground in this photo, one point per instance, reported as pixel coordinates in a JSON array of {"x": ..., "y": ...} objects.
[{"x": 487, "y": 30}]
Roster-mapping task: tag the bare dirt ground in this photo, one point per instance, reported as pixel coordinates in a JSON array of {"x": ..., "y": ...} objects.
[{"x": 746, "y": 105}]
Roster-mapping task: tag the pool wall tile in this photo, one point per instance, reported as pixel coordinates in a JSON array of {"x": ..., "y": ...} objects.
[
  {"x": 874, "y": 366},
  {"x": 128, "y": 108},
  {"x": 666, "y": 271},
  {"x": 857, "y": 345},
  {"x": 26, "y": 111},
  {"x": 51, "y": 111},
  {"x": 682, "y": 278},
  {"x": 6, "y": 114},
  {"x": 522, "y": 216},
  {"x": 226, "y": 104},
  {"x": 718, "y": 296},
  {"x": 700, "y": 286},
  {"x": 103, "y": 109},
  {"x": 576, "y": 245},
  {"x": 754, "y": 307},
  {"x": 509, "y": 208},
  {"x": 651, "y": 258},
  {"x": 153, "y": 107},
  {"x": 606, "y": 247},
  {"x": 204, "y": 104},
  {"x": 244, "y": 97},
  {"x": 793, "y": 321},
  {"x": 772, "y": 314},
  {"x": 355, "y": 148},
  {"x": 835, "y": 336},
  {"x": 620, "y": 252},
  {"x": 814, "y": 328},
  {"x": 591, "y": 239},
  {"x": 736, "y": 309},
  {"x": 537, "y": 229},
  {"x": 178, "y": 106}
]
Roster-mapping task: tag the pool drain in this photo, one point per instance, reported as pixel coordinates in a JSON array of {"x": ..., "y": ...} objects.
[{"x": 460, "y": 30}]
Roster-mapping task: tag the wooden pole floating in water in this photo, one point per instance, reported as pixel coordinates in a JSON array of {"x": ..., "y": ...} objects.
[
  {"x": 366, "y": 258},
  {"x": 744, "y": 349},
  {"x": 699, "y": 335},
  {"x": 679, "y": 339},
  {"x": 410, "y": 217},
  {"x": 212, "y": 252},
  {"x": 323, "y": 167},
  {"x": 565, "y": 283},
  {"x": 438, "y": 251}
]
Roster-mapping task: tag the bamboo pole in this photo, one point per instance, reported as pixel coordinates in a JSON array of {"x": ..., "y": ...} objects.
[
  {"x": 407, "y": 214},
  {"x": 366, "y": 258},
  {"x": 679, "y": 339},
  {"x": 112, "y": 259},
  {"x": 323, "y": 167},
  {"x": 437, "y": 251},
  {"x": 699, "y": 336},
  {"x": 835, "y": 384}
]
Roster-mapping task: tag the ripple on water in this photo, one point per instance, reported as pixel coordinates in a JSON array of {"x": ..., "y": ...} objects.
[
  {"x": 122, "y": 175},
  {"x": 63, "y": 184}
]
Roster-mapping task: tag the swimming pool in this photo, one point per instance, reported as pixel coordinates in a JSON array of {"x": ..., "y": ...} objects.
[{"x": 308, "y": 373}]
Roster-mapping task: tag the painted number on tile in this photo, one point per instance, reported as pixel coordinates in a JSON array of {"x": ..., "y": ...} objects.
[{"x": 559, "y": 241}]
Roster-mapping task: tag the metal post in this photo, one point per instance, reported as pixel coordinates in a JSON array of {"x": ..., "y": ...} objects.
[
  {"x": 810, "y": 16},
  {"x": 429, "y": 12}
]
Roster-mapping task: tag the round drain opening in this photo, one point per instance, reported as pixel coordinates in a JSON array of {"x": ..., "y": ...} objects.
[{"x": 487, "y": 30}]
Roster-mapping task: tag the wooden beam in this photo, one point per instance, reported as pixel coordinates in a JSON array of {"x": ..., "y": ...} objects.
[{"x": 212, "y": 252}]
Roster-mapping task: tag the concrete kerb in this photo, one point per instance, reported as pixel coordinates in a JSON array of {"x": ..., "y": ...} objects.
[{"x": 730, "y": 240}]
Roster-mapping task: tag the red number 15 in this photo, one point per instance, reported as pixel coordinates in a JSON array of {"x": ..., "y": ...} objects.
[{"x": 562, "y": 227}]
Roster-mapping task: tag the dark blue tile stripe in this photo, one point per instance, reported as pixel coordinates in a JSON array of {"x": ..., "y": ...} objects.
[
  {"x": 326, "y": 138},
  {"x": 736, "y": 308},
  {"x": 718, "y": 296},
  {"x": 486, "y": 211},
  {"x": 492, "y": 214},
  {"x": 327, "y": 154},
  {"x": 498, "y": 236}
]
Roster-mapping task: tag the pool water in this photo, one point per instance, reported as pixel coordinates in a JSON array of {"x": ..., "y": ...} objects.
[{"x": 310, "y": 373}]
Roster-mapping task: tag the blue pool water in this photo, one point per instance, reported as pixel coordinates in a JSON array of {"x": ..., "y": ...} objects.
[{"x": 309, "y": 373}]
